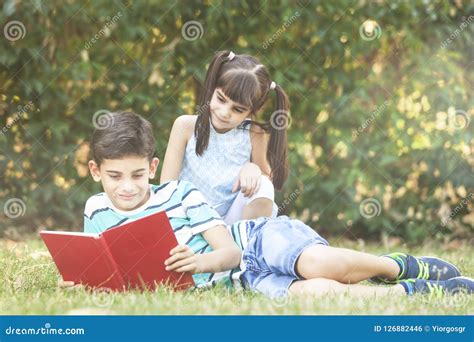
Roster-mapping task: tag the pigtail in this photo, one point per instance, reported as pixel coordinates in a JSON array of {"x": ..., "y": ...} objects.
[
  {"x": 277, "y": 150},
  {"x": 202, "y": 128}
]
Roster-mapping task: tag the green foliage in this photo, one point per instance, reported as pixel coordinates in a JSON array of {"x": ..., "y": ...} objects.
[{"x": 373, "y": 117}]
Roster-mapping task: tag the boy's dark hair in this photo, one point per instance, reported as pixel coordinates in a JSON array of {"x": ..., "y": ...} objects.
[
  {"x": 124, "y": 134},
  {"x": 245, "y": 80}
]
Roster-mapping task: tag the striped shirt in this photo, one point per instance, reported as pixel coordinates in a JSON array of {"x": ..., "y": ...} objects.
[
  {"x": 187, "y": 210},
  {"x": 242, "y": 232}
]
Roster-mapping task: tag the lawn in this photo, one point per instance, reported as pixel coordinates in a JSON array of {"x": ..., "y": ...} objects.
[{"x": 29, "y": 278}]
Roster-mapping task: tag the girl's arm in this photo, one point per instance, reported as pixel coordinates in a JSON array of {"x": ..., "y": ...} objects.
[
  {"x": 182, "y": 130},
  {"x": 250, "y": 174},
  {"x": 259, "y": 139}
]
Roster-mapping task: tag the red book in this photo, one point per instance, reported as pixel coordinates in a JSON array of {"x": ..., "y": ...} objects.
[{"x": 130, "y": 256}]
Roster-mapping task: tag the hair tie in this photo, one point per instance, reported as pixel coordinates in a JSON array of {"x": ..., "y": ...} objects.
[
  {"x": 231, "y": 56},
  {"x": 273, "y": 85}
]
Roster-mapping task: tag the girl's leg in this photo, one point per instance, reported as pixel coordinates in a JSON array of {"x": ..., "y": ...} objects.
[
  {"x": 257, "y": 208},
  {"x": 344, "y": 265},
  {"x": 262, "y": 202},
  {"x": 321, "y": 287},
  {"x": 234, "y": 213}
]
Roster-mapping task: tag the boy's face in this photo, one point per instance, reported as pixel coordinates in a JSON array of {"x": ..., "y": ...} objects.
[{"x": 125, "y": 180}]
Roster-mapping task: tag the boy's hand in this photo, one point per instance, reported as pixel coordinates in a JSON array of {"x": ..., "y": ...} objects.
[
  {"x": 182, "y": 259},
  {"x": 69, "y": 285},
  {"x": 248, "y": 180}
]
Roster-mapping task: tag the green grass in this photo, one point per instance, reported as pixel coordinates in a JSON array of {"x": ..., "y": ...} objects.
[{"x": 29, "y": 278}]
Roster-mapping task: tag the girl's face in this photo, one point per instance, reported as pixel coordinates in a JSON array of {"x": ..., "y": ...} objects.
[{"x": 225, "y": 113}]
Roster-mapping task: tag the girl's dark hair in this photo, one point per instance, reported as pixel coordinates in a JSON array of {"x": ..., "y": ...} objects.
[
  {"x": 246, "y": 81},
  {"x": 121, "y": 134}
]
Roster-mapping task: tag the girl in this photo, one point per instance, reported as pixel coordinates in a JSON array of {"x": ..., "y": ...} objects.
[{"x": 222, "y": 150}]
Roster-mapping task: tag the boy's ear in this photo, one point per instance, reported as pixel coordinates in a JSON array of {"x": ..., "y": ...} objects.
[
  {"x": 153, "y": 167},
  {"x": 94, "y": 169}
]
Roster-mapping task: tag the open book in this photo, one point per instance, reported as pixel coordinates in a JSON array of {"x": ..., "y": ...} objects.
[{"x": 130, "y": 256}]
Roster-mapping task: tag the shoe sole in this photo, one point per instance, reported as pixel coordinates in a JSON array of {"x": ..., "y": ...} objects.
[
  {"x": 469, "y": 291},
  {"x": 465, "y": 278}
]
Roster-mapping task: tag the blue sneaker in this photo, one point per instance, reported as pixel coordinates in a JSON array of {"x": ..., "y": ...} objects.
[
  {"x": 439, "y": 288},
  {"x": 428, "y": 268}
]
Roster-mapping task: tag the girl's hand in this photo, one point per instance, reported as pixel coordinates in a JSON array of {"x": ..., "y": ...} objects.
[
  {"x": 248, "y": 180},
  {"x": 182, "y": 259}
]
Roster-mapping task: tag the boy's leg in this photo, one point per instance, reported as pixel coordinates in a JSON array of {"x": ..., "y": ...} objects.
[
  {"x": 424, "y": 267},
  {"x": 283, "y": 250},
  {"x": 348, "y": 266},
  {"x": 321, "y": 287},
  {"x": 344, "y": 265}
]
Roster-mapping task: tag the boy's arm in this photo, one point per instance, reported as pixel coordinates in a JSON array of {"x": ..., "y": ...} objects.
[
  {"x": 180, "y": 133},
  {"x": 225, "y": 255},
  {"x": 206, "y": 221}
]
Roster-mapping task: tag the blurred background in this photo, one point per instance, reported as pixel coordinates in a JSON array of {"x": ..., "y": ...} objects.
[{"x": 380, "y": 137}]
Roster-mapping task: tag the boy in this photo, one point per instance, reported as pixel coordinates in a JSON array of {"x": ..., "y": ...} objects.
[
  {"x": 123, "y": 161},
  {"x": 280, "y": 256}
]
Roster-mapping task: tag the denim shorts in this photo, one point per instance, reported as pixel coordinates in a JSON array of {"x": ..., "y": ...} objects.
[{"x": 271, "y": 254}]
